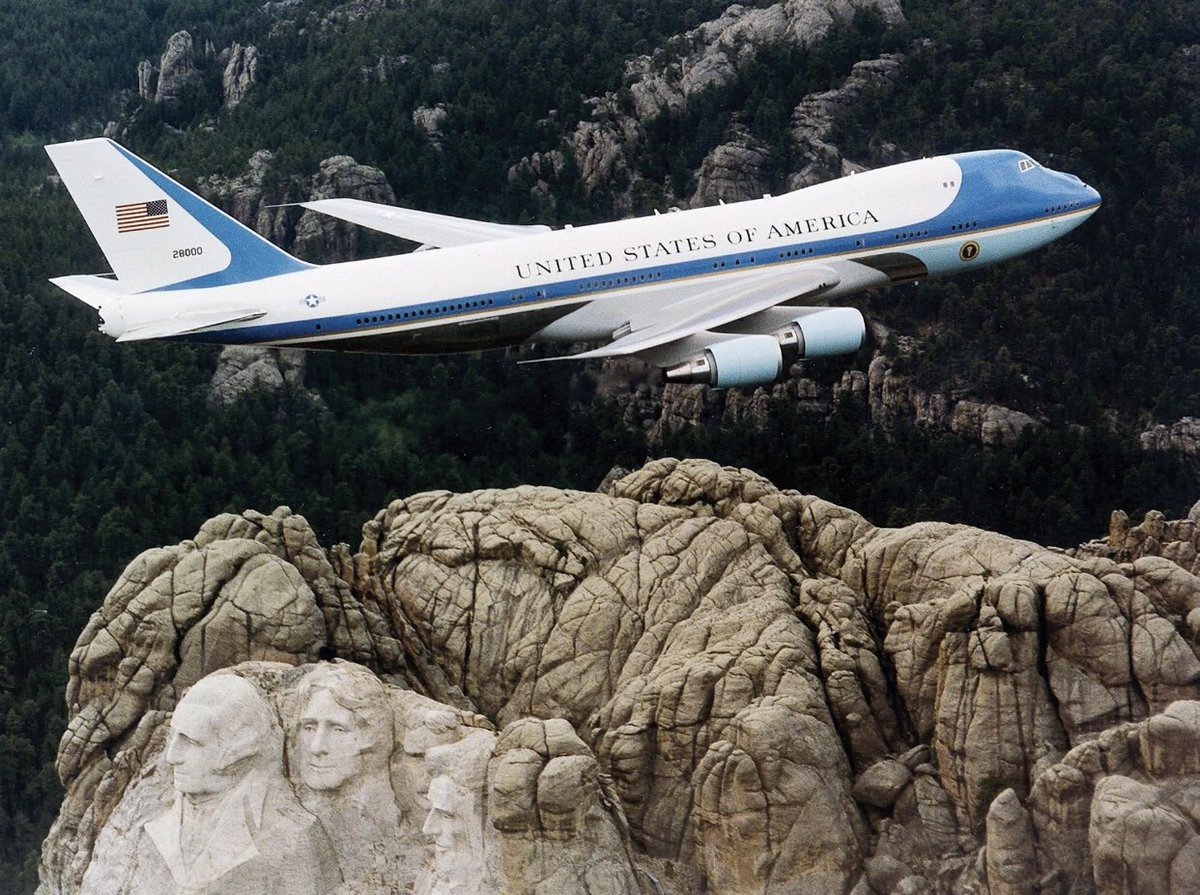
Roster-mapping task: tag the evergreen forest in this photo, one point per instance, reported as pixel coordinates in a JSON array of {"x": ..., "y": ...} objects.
[{"x": 107, "y": 450}]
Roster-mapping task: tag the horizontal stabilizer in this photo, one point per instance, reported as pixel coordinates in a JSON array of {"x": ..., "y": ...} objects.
[
  {"x": 424, "y": 227},
  {"x": 190, "y": 322},
  {"x": 92, "y": 290}
]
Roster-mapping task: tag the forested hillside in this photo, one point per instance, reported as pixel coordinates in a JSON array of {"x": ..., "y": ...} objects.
[{"x": 107, "y": 450}]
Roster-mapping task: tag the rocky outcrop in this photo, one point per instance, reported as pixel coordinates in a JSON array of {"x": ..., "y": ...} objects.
[
  {"x": 891, "y": 400},
  {"x": 731, "y": 172},
  {"x": 1182, "y": 436},
  {"x": 257, "y": 199},
  {"x": 429, "y": 120},
  {"x": 722, "y": 685},
  {"x": 253, "y": 198},
  {"x": 814, "y": 117},
  {"x": 604, "y": 148},
  {"x": 244, "y": 368},
  {"x": 324, "y": 238},
  {"x": 711, "y": 55},
  {"x": 345, "y": 14},
  {"x": 146, "y": 75},
  {"x": 177, "y": 69},
  {"x": 241, "y": 70},
  {"x": 1175, "y": 541},
  {"x": 1117, "y": 814}
]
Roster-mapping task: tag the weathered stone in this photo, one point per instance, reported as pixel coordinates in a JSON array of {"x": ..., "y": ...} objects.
[
  {"x": 177, "y": 69},
  {"x": 244, "y": 368},
  {"x": 240, "y": 72},
  {"x": 146, "y": 74},
  {"x": 731, "y": 172},
  {"x": 428, "y": 120},
  {"x": 1011, "y": 859},
  {"x": 320, "y": 236},
  {"x": 691, "y": 668},
  {"x": 881, "y": 784}
]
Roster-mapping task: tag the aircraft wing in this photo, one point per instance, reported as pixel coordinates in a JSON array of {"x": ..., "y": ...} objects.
[
  {"x": 714, "y": 305},
  {"x": 190, "y": 322},
  {"x": 419, "y": 226}
]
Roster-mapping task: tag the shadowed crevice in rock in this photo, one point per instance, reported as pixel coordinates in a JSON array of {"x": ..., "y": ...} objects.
[{"x": 777, "y": 695}]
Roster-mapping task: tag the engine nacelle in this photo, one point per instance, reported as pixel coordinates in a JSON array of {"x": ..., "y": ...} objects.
[
  {"x": 759, "y": 359},
  {"x": 822, "y": 333},
  {"x": 746, "y": 360}
]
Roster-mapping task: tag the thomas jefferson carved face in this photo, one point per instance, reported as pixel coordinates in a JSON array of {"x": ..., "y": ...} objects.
[
  {"x": 332, "y": 743},
  {"x": 343, "y": 730}
]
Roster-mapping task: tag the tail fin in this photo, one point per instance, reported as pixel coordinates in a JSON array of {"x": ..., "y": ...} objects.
[{"x": 155, "y": 233}]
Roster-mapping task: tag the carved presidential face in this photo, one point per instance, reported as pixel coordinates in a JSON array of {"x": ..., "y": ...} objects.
[
  {"x": 220, "y": 731},
  {"x": 195, "y": 752},
  {"x": 446, "y": 822},
  {"x": 332, "y": 743},
  {"x": 429, "y": 729}
]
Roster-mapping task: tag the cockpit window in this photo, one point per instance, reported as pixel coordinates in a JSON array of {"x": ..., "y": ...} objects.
[{"x": 1026, "y": 165}]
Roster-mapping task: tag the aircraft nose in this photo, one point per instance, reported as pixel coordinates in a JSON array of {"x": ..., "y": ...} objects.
[
  {"x": 1089, "y": 196},
  {"x": 1067, "y": 192}
]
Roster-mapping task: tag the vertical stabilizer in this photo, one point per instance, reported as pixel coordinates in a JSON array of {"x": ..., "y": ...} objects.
[{"x": 155, "y": 233}]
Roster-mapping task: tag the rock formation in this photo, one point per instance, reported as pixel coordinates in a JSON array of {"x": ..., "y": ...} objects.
[
  {"x": 1182, "y": 435},
  {"x": 321, "y": 237},
  {"x": 702, "y": 684},
  {"x": 177, "y": 69},
  {"x": 890, "y": 399},
  {"x": 243, "y": 368},
  {"x": 731, "y": 172},
  {"x": 814, "y": 117},
  {"x": 241, "y": 70},
  {"x": 146, "y": 79},
  {"x": 708, "y": 57},
  {"x": 429, "y": 120},
  {"x": 257, "y": 199}
]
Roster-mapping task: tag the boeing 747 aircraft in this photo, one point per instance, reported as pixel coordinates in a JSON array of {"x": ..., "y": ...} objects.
[{"x": 719, "y": 295}]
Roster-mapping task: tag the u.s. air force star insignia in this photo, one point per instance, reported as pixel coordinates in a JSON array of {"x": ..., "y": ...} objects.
[{"x": 313, "y": 301}]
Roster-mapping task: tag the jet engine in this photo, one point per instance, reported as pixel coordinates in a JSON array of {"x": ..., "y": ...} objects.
[
  {"x": 759, "y": 359},
  {"x": 823, "y": 333}
]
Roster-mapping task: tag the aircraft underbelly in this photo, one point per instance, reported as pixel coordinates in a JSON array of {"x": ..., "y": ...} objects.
[{"x": 500, "y": 331}]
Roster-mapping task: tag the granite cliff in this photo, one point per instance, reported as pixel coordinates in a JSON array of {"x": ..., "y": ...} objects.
[{"x": 690, "y": 682}]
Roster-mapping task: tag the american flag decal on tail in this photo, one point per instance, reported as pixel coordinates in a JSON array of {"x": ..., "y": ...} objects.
[{"x": 136, "y": 216}]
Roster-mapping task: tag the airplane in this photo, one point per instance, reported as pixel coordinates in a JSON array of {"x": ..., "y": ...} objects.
[{"x": 721, "y": 295}]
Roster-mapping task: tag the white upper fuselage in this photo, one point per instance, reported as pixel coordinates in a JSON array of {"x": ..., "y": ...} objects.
[{"x": 927, "y": 217}]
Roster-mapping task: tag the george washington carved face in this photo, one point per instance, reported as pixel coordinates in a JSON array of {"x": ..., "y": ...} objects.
[{"x": 218, "y": 731}]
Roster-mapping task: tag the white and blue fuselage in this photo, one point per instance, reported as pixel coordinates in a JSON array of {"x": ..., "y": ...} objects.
[{"x": 603, "y": 283}]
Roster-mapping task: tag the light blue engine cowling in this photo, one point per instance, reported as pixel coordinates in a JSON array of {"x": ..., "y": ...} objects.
[
  {"x": 758, "y": 359},
  {"x": 822, "y": 333}
]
